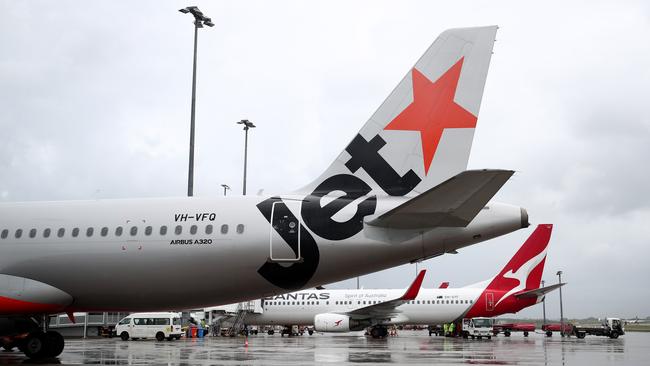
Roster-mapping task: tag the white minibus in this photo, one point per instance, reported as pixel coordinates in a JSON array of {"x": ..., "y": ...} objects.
[{"x": 150, "y": 325}]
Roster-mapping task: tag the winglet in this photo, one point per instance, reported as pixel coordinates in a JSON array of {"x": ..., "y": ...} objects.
[
  {"x": 444, "y": 285},
  {"x": 413, "y": 290}
]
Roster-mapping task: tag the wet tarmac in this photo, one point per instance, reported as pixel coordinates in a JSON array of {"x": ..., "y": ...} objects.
[{"x": 410, "y": 347}]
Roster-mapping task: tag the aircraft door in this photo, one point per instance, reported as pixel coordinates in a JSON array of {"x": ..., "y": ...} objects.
[
  {"x": 489, "y": 301},
  {"x": 284, "y": 246}
]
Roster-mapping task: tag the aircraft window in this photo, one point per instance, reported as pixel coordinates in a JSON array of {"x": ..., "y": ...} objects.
[
  {"x": 418, "y": 302},
  {"x": 4, "y": 234},
  {"x": 208, "y": 229},
  {"x": 193, "y": 229},
  {"x": 32, "y": 233},
  {"x": 104, "y": 231},
  {"x": 61, "y": 232},
  {"x": 75, "y": 232},
  {"x": 134, "y": 230},
  {"x": 471, "y": 301},
  {"x": 148, "y": 230},
  {"x": 89, "y": 232},
  {"x": 327, "y": 302},
  {"x": 240, "y": 229},
  {"x": 46, "y": 233},
  {"x": 303, "y": 303},
  {"x": 224, "y": 229},
  {"x": 19, "y": 233},
  {"x": 118, "y": 231},
  {"x": 163, "y": 230},
  {"x": 317, "y": 302},
  {"x": 178, "y": 230}
]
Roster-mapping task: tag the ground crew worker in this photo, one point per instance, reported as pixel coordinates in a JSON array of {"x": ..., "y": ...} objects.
[
  {"x": 445, "y": 329},
  {"x": 452, "y": 327}
]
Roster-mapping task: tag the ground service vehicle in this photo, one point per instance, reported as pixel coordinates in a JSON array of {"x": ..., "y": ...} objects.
[
  {"x": 508, "y": 328},
  {"x": 477, "y": 328},
  {"x": 611, "y": 327},
  {"x": 556, "y": 327},
  {"x": 150, "y": 325}
]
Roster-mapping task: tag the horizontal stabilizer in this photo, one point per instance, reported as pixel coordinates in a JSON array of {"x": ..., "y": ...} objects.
[
  {"x": 538, "y": 291},
  {"x": 453, "y": 203}
]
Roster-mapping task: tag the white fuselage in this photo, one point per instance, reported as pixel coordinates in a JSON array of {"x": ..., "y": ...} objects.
[{"x": 128, "y": 263}]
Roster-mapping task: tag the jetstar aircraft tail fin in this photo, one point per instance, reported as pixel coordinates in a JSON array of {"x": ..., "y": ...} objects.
[{"x": 421, "y": 135}]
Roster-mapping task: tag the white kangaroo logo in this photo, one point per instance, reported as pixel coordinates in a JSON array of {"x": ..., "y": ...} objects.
[{"x": 521, "y": 274}]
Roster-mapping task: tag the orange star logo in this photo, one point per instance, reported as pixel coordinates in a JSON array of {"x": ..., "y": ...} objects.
[{"x": 433, "y": 109}]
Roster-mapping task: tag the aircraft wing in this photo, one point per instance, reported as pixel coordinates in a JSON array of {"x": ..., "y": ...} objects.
[
  {"x": 388, "y": 308},
  {"x": 538, "y": 291},
  {"x": 453, "y": 203}
]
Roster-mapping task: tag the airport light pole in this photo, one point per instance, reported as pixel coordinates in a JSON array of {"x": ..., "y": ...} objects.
[
  {"x": 559, "y": 275},
  {"x": 225, "y": 188},
  {"x": 199, "y": 21},
  {"x": 247, "y": 125},
  {"x": 544, "y": 306}
]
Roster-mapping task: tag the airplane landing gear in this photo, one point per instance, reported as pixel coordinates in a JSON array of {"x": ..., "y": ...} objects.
[
  {"x": 25, "y": 333},
  {"x": 378, "y": 332}
]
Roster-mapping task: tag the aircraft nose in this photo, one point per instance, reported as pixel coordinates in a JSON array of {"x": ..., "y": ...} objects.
[{"x": 524, "y": 218}]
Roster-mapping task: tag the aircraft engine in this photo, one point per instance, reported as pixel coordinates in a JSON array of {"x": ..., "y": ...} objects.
[{"x": 330, "y": 322}]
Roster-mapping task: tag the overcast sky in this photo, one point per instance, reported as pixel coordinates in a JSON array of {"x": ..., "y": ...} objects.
[{"x": 95, "y": 97}]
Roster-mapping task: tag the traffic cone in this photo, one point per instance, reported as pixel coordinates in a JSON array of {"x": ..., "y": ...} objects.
[{"x": 246, "y": 342}]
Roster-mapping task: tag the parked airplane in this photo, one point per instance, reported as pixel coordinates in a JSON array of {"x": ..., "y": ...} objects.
[
  {"x": 399, "y": 192},
  {"x": 515, "y": 287}
]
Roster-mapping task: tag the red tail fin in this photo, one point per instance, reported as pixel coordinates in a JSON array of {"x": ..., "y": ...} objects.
[
  {"x": 522, "y": 273},
  {"x": 524, "y": 270}
]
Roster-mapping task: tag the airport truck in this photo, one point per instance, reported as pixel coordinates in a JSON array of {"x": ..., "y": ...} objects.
[
  {"x": 611, "y": 327},
  {"x": 477, "y": 328}
]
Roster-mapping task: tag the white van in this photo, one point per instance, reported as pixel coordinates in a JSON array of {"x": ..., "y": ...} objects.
[{"x": 150, "y": 325}]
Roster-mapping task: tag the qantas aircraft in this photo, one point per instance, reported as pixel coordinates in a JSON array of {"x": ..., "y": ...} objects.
[
  {"x": 398, "y": 192},
  {"x": 515, "y": 287}
]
